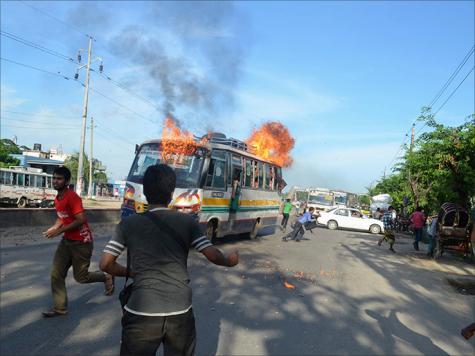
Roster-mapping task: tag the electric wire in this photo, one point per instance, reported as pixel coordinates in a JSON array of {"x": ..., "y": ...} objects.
[{"x": 36, "y": 46}]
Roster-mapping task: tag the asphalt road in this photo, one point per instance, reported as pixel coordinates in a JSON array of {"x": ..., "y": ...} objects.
[{"x": 349, "y": 297}]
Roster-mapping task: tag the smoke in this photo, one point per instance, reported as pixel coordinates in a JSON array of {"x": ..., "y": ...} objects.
[{"x": 191, "y": 51}]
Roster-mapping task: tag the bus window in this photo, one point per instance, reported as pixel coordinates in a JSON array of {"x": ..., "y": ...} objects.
[
  {"x": 5, "y": 177},
  {"x": 267, "y": 177},
  {"x": 50, "y": 182},
  {"x": 272, "y": 178},
  {"x": 248, "y": 174},
  {"x": 237, "y": 167},
  {"x": 20, "y": 179},
  {"x": 43, "y": 182},
  {"x": 216, "y": 172},
  {"x": 261, "y": 175},
  {"x": 39, "y": 181},
  {"x": 27, "y": 180},
  {"x": 255, "y": 175}
]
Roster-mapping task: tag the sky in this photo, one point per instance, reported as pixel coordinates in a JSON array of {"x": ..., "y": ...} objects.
[{"x": 347, "y": 78}]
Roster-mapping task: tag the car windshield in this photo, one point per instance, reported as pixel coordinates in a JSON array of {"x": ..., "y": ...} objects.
[
  {"x": 322, "y": 199},
  {"x": 187, "y": 167}
]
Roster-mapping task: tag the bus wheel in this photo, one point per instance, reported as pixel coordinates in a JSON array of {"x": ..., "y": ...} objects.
[
  {"x": 22, "y": 203},
  {"x": 211, "y": 231},
  {"x": 255, "y": 229}
]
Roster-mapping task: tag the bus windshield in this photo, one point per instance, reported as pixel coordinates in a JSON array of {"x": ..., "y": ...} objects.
[
  {"x": 340, "y": 199},
  {"x": 186, "y": 167},
  {"x": 322, "y": 199}
]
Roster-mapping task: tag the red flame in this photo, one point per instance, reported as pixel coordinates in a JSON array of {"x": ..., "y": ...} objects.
[
  {"x": 176, "y": 141},
  {"x": 272, "y": 142}
]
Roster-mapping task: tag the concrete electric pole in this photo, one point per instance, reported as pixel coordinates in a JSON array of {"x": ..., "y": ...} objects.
[
  {"x": 80, "y": 178},
  {"x": 412, "y": 137},
  {"x": 91, "y": 160}
]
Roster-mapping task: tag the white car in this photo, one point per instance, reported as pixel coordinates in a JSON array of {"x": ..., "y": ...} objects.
[{"x": 349, "y": 219}]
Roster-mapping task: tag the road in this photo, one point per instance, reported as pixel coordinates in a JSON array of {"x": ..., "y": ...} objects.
[{"x": 350, "y": 297}]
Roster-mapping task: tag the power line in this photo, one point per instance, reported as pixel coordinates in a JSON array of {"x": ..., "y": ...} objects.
[
  {"x": 36, "y": 115},
  {"x": 123, "y": 106},
  {"x": 41, "y": 127},
  {"x": 452, "y": 77},
  {"x": 67, "y": 78},
  {"x": 448, "y": 98},
  {"x": 58, "y": 74},
  {"x": 125, "y": 88},
  {"x": 36, "y": 46},
  {"x": 35, "y": 122},
  {"x": 55, "y": 18},
  {"x": 438, "y": 96}
]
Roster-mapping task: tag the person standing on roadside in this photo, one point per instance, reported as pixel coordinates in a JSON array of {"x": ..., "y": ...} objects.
[
  {"x": 432, "y": 232},
  {"x": 74, "y": 249},
  {"x": 158, "y": 241},
  {"x": 388, "y": 223},
  {"x": 418, "y": 220},
  {"x": 377, "y": 214},
  {"x": 285, "y": 214}
]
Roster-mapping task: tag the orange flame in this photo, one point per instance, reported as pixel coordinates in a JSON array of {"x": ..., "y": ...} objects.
[
  {"x": 272, "y": 142},
  {"x": 176, "y": 141},
  {"x": 288, "y": 285}
]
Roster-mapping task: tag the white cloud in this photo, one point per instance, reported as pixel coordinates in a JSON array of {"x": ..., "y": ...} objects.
[{"x": 9, "y": 98}]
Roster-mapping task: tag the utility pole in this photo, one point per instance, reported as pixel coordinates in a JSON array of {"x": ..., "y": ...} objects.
[
  {"x": 80, "y": 180},
  {"x": 91, "y": 160},
  {"x": 412, "y": 137}
]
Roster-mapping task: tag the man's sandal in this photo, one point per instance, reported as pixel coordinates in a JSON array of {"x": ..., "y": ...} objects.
[{"x": 51, "y": 313}]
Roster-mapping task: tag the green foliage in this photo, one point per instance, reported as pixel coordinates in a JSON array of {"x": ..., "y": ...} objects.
[
  {"x": 439, "y": 168},
  {"x": 8, "y": 147},
  {"x": 72, "y": 162}
]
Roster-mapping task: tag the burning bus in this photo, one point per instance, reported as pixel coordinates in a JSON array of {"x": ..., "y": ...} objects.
[{"x": 205, "y": 168}]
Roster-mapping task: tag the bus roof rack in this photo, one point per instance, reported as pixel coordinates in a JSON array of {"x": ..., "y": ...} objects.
[{"x": 220, "y": 138}]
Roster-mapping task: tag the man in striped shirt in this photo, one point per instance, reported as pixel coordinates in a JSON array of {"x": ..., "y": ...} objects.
[{"x": 158, "y": 241}]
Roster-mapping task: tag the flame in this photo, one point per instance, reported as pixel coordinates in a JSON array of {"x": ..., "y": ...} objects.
[
  {"x": 288, "y": 285},
  {"x": 176, "y": 142},
  {"x": 272, "y": 142}
]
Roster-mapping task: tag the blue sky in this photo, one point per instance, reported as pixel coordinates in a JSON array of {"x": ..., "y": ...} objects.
[{"x": 347, "y": 78}]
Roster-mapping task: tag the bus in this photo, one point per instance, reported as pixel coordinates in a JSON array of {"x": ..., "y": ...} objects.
[
  {"x": 204, "y": 185},
  {"x": 320, "y": 199},
  {"x": 24, "y": 186}
]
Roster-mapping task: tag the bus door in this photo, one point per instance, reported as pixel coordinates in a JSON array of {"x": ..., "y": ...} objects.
[{"x": 235, "y": 182}]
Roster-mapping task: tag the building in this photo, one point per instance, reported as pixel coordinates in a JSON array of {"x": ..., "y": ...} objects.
[{"x": 45, "y": 164}]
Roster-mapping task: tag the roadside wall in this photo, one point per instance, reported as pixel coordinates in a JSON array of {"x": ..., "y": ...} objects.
[{"x": 43, "y": 217}]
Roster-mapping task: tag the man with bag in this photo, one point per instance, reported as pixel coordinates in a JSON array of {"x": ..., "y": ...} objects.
[{"x": 159, "y": 308}]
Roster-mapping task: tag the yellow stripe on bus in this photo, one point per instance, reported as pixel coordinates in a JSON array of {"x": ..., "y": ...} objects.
[{"x": 225, "y": 202}]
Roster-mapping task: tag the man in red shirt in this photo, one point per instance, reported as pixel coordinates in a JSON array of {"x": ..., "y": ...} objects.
[
  {"x": 418, "y": 220},
  {"x": 75, "y": 248}
]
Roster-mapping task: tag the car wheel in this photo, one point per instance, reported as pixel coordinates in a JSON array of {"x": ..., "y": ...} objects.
[
  {"x": 375, "y": 229},
  {"x": 22, "y": 203},
  {"x": 332, "y": 225}
]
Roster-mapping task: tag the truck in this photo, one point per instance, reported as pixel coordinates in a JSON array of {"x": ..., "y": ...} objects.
[{"x": 321, "y": 199}]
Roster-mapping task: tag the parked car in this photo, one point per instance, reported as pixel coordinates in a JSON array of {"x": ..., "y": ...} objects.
[{"x": 350, "y": 219}]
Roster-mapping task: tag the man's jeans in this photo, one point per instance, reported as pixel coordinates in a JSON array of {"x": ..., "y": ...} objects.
[
  {"x": 143, "y": 335},
  {"x": 71, "y": 253},
  {"x": 418, "y": 237},
  {"x": 431, "y": 247},
  {"x": 285, "y": 219}
]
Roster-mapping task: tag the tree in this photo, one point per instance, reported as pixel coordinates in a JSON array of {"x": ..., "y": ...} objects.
[
  {"x": 8, "y": 147},
  {"x": 439, "y": 168},
  {"x": 72, "y": 162}
]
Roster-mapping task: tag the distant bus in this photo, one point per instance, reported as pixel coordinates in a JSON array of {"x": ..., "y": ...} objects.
[
  {"x": 24, "y": 187},
  {"x": 321, "y": 199},
  {"x": 204, "y": 185}
]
